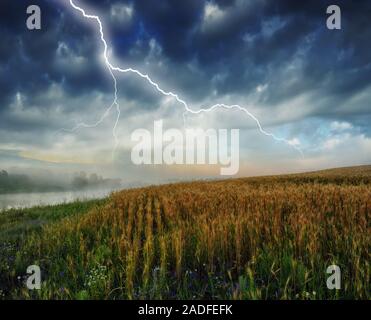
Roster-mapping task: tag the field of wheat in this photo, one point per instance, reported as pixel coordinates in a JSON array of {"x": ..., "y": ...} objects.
[{"x": 253, "y": 238}]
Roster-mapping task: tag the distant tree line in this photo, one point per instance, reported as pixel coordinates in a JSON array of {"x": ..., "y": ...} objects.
[
  {"x": 16, "y": 183},
  {"x": 82, "y": 180},
  {"x": 13, "y": 183}
]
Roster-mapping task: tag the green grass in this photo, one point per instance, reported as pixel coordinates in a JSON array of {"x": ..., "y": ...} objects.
[{"x": 18, "y": 225}]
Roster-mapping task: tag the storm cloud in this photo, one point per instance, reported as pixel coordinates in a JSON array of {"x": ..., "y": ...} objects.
[{"x": 302, "y": 80}]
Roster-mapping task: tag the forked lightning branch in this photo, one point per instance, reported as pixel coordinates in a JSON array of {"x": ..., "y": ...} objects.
[{"x": 113, "y": 68}]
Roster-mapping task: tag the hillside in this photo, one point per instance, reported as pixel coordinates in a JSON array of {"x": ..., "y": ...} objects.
[{"x": 251, "y": 238}]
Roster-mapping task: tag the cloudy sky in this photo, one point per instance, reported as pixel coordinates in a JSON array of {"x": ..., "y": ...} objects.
[{"x": 305, "y": 83}]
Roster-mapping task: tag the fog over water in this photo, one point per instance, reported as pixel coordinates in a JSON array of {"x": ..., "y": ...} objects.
[
  {"x": 29, "y": 188},
  {"x": 27, "y": 200}
]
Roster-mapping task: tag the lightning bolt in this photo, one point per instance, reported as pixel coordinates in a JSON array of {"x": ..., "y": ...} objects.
[{"x": 111, "y": 68}]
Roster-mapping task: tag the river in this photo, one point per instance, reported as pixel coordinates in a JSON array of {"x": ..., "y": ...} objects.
[{"x": 27, "y": 200}]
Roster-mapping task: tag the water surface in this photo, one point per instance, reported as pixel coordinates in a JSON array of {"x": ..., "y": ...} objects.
[{"x": 27, "y": 200}]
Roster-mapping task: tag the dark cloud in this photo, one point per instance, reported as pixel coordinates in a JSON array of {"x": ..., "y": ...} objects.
[
  {"x": 29, "y": 60},
  {"x": 198, "y": 48}
]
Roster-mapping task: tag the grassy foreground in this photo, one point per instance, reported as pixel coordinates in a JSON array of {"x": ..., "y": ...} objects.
[{"x": 253, "y": 238}]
